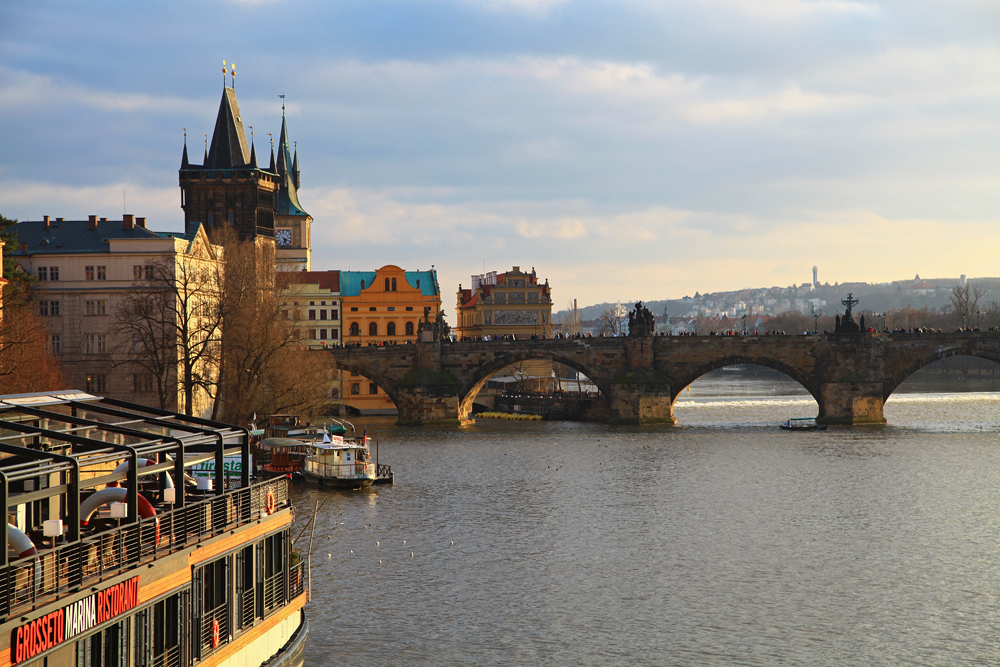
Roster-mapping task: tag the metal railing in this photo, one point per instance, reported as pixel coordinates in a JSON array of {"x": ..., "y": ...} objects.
[
  {"x": 218, "y": 615},
  {"x": 32, "y": 582},
  {"x": 331, "y": 470}
]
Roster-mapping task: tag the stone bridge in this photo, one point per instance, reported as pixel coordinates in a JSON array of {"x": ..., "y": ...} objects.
[{"x": 850, "y": 376}]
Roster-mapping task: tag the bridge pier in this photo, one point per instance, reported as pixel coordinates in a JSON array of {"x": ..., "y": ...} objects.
[
  {"x": 851, "y": 403},
  {"x": 640, "y": 395}
]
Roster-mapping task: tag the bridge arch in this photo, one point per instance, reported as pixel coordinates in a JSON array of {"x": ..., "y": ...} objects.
[
  {"x": 912, "y": 366},
  {"x": 468, "y": 393},
  {"x": 383, "y": 383},
  {"x": 805, "y": 379}
]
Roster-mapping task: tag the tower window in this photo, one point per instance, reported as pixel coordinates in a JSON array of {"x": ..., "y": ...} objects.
[
  {"x": 390, "y": 329},
  {"x": 386, "y": 284},
  {"x": 409, "y": 328},
  {"x": 372, "y": 329},
  {"x": 393, "y": 284}
]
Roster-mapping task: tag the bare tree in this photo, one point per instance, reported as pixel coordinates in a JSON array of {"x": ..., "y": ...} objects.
[
  {"x": 965, "y": 302},
  {"x": 569, "y": 320},
  {"x": 614, "y": 320},
  {"x": 27, "y": 364},
  {"x": 263, "y": 370},
  {"x": 170, "y": 326}
]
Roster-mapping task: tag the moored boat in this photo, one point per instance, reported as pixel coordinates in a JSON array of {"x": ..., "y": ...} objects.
[
  {"x": 802, "y": 424},
  {"x": 341, "y": 463}
]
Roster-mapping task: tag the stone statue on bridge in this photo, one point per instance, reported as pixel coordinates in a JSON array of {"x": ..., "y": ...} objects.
[
  {"x": 846, "y": 324},
  {"x": 641, "y": 322}
]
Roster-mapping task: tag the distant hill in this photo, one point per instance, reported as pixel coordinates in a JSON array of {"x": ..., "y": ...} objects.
[{"x": 916, "y": 293}]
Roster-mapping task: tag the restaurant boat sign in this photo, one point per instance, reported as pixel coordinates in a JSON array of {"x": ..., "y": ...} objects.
[{"x": 63, "y": 624}]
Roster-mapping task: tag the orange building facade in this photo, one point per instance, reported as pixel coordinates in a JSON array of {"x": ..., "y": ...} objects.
[{"x": 382, "y": 307}]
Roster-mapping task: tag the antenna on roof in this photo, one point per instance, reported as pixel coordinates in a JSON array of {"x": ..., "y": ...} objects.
[
  {"x": 233, "y": 72},
  {"x": 282, "y": 105}
]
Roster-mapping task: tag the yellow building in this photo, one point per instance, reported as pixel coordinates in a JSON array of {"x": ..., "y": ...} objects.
[
  {"x": 382, "y": 307},
  {"x": 505, "y": 304},
  {"x": 312, "y": 304}
]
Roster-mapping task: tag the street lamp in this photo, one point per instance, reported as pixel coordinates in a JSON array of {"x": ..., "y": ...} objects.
[{"x": 979, "y": 319}]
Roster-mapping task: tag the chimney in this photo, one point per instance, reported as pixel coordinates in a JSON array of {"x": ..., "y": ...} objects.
[
  {"x": 45, "y": 221},
  {"x": 24, "y": 248},
  {"x": 140, "y": 222},
  {"x": 92, "y": 219},
  {"x": 104, "y": 219},
  {"x": 60, "y": 219},
  {"x": 128, "y": 221}
]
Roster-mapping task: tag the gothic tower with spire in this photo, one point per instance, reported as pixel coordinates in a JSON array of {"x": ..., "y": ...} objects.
[
  {"x": 292, "y": 225},
  {"x": 229, "y": 188}
]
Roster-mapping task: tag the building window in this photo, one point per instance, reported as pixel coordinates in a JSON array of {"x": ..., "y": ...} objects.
[
  {"x": 409, "y": 307},
  {"x": 312, "y": 334},
  {"x": 391, "y": 308},
  {"x": 334, "y": 334},
  {"x": 409, "y": 328},
  {"x": 99, "y": 307},
  {"x": 312, "y": 314},
  {"x": 322, "y": 334},
  {"x": 372, "y": 329},
  {"x": 142, "y": 383},
  {"x": 88, "y": 272},
  {"x": 96, "y": 383},
  {"x": 43, "y": 273},
  {"x": 143, "y": 272},
  {"x": 102, "y": 273},
  {"x": 48, "y": 308},
  {"x": 55, "y": 344},
  {"x": 95, "y": 344},
  {"x": 354, "y": 309},
  {"x": 334, "y": 315},
  {"x": 372, "y": 309},
  {"x": 355, "y": 329},
  {"x": 372, "y": 388},
  {"x": 355, "y": 389},
  {"x": 322, "y": 314},
  {"x": 393, "y": 284},
  {"x": 390, "y": 329},
  {"x": 322, "y": 303},
  {"x": 312, "y": 303}
]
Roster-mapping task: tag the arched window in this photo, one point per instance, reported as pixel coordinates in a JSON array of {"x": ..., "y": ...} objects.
[
  {"x": 409, "y": 328},
  {"x": 355, "y": 329},
  {"x": 393, "y": 284},
  {"x": 386, "y": 284},
  {"x": 372, "y": 328},
  {"x": 390, "y": 329}
]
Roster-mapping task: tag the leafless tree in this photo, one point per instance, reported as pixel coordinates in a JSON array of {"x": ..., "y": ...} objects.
[
  {"x": 569, "y": 320},
  {"x": 263, "y": 370},
  {"x": 170, "y": 326},
  {"x": 614, "y": 320},
  {"x": 26, "y": 363},
  {"x": 965, "y": 302}
]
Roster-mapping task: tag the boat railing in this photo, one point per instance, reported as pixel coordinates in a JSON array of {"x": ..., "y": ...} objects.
[
  {"x": 337, "y": 469},
  {"x": 383, "y": 471},
  {"x": 34, "y": 581}
]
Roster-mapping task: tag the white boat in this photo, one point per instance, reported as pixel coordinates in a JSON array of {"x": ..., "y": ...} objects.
[{"x": 340, "y": 463}]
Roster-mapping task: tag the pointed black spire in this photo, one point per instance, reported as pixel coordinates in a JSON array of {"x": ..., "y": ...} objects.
[
  {"x": 284, "y": 154},
  {"x": 184, "y": 160},
  {"x": 253, "y": 156},
  {"x": 271, "y": 168},
  {"x": 229, "y": 142},
  {"x": 295, "y": 166}
]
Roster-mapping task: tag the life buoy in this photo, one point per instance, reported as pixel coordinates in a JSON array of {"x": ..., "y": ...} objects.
[
  {"x": 215, "y": 633},
  {"x": 269, "y": 502}
]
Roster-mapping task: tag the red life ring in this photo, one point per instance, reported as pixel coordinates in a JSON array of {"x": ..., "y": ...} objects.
[
  {"x": 269, "y": 502},
  {"x": 215, "y": 633}
]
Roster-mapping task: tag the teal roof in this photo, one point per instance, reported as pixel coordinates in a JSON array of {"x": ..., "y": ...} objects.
[{"x": 350, "y": 281}]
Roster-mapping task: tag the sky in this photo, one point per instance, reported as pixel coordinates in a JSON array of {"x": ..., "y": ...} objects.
[{"x": 626, "y": 150}]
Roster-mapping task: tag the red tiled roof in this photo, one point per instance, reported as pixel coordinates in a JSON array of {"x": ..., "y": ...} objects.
[
  {"x": 325, "y": 279},
  {"x": 471, "y": 302}
]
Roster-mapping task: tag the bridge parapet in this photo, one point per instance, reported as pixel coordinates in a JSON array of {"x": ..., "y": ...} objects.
[{"x": 850, "y": 376}]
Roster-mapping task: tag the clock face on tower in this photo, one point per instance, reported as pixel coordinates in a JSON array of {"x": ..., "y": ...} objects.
[{"x": 283, "y": 237}]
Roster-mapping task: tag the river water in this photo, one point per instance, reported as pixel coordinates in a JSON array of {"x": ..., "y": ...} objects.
[{"x": 719, "y": 541}]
